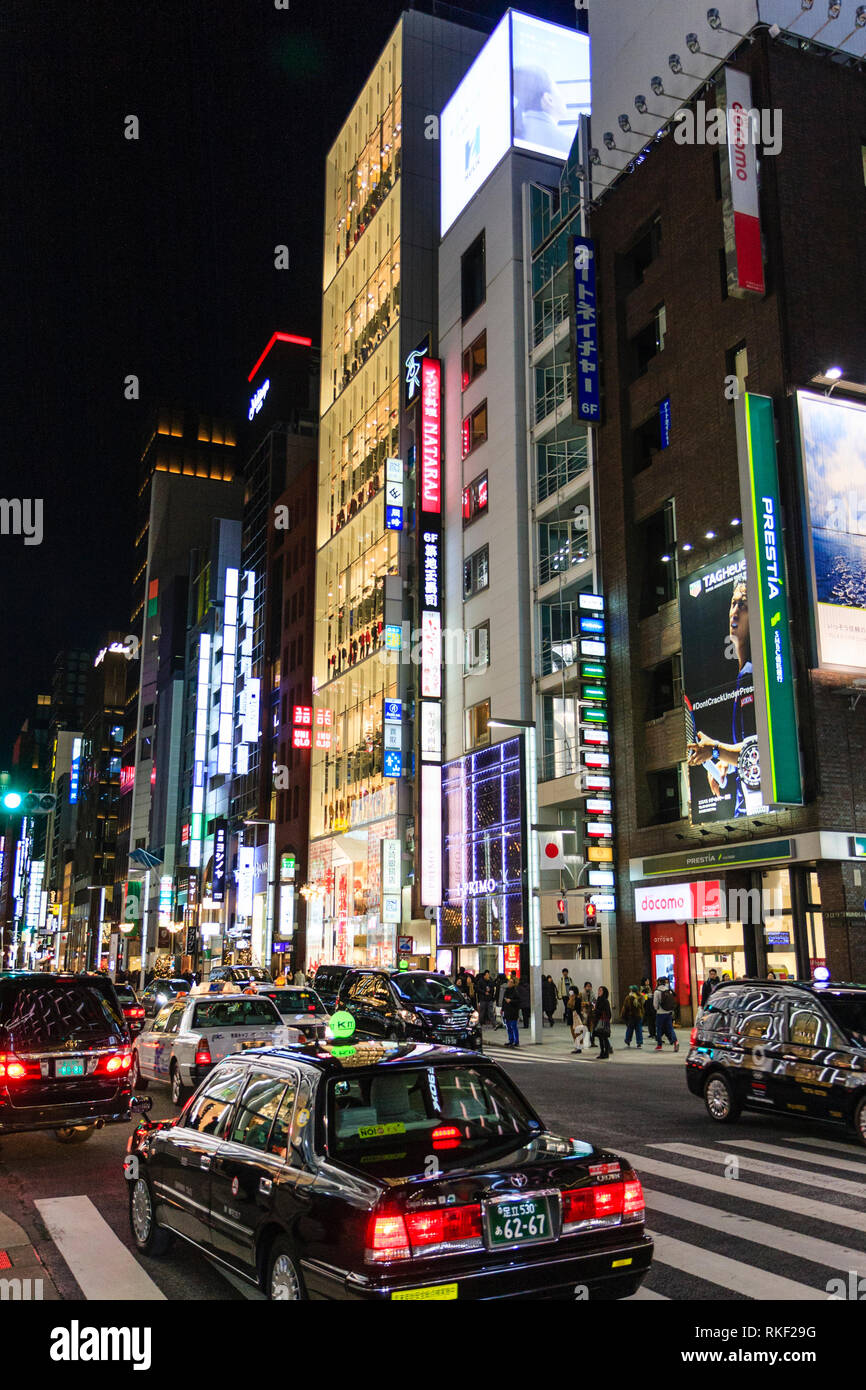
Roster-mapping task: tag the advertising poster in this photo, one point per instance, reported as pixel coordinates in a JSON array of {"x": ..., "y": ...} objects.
[
  {"x": 719, "y": 693},
  {"x": 833, "y": 456},
  {"x": 550, "y": 84}
]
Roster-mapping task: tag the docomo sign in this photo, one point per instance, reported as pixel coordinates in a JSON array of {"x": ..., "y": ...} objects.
[
  {"x": 678, "y": 902},
  {"x": 740, "y": 190},
  {"x": 431, "y": 424}
]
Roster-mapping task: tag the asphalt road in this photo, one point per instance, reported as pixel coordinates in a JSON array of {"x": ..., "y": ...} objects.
[{"x": 767, "y": 1208}]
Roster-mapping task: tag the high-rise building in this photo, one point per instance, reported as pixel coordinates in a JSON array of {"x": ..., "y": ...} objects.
[{"x": 379, "y": 314}]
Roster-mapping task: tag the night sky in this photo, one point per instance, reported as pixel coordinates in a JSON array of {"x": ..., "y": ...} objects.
[{"x": 151, "y": 257}]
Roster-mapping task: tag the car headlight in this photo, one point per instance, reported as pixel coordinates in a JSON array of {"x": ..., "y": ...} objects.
[
  {"x": 407, "y": 1016},
  {"x": 473, "y": 1018}
]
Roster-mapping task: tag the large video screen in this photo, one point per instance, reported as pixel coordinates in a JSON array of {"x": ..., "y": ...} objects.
[
  {"x": 833, "y": 453},
  {"x": 528, "y": 86},
  {"x": 719, "y": 693}
]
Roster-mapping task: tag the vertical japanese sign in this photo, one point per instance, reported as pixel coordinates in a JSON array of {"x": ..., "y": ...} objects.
[
  {"x": 431, "y": 472},
  {"x": 587, "y": 405}
]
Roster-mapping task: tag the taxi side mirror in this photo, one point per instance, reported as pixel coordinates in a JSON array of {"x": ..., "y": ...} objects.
[{"x": 141, "y": 1105}]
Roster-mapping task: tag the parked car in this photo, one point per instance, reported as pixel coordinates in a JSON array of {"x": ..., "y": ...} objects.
[
  {"x": 795, "y": 1048},
  {"x": 404, "y": 1004},
  {"x": 133, "y": 1012},
  {"x": 382, "y": 1172},
  {"x": 327, "y": 981},
  {"x": 65, "y": 1054}
]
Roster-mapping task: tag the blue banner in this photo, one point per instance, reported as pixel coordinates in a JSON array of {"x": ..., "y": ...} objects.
[{"x": 587, "y": 381}]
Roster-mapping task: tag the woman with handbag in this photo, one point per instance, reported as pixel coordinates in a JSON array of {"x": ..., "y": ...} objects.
[{"x": 602, "y": 1022}]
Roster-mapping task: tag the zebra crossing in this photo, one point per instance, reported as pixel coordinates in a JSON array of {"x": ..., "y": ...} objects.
[
  {"x": 528, "y": 1056},
  {"x": 754, "y": 1219}
]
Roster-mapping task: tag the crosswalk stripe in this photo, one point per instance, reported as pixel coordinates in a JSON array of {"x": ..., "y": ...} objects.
[
  {"x": 517, "y": 1054},
  {"x": 805, "y": 1177},
  {"x": 850, "y": 1148},
  {"x": 99, "y": 1262},
  {"x": 730, "y": 1274},
  {"x": 847, "y": 1164},
  {"x": 790, "y": 1202},
  {"x": 644, "y": 1293},
  {"x": 729, "y": 1223}
]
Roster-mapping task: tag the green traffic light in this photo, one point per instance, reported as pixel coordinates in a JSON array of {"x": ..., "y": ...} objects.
[{"x": 12, "y": 800}]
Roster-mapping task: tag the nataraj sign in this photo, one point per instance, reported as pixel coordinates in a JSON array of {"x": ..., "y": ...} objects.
[
  {"x": 431, "y": 469},
  {"x": 679, "y": 902}
]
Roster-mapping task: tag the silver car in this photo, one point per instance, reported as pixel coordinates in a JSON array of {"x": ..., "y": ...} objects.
[
  {"x": 299, "y": 1007},
  {"x": 187, "y": 1039}
]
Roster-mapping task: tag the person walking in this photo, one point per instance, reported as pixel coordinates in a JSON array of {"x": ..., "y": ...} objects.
[
  {"x": 485, "y": 993},
  {"x": 664, "y": 1002},
  {"x": 632, "y": 1015},
  {"x": 578, "y": 1032},
  {"x": 461, "y": 981},
  {"x": 711, "y": 983},
  {"x": 524, "y": 997},
  {"x": 564, "y": 989},
  {"x": 548, "y": 998},
  {"x": 511, "y": 1012},
  {"x": 602, "y": 1023},
  {"x": 587, "y": 1011}
]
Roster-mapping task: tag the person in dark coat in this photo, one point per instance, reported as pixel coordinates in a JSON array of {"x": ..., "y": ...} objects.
[
  {"x": 485, "y": 993},
  {"x": 511, "y": 1012},
  {"x": 710, "y": 983},
  {"x": 524, "y": 996},
  {"x": 549, "y": 998},
  {"x": 602, "y": 1023}
]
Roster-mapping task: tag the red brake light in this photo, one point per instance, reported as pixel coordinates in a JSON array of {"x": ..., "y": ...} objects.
[
  {"x": 203, "y": 1057},
  {"x": 444, "y": 1226},
  {"x": 311, "y": 1008},
  {"x": 693, "y": 1036},
  {"x": 133, "y": 1012},
  {"x": 387, "y": 1239},
  {"x": 13, "y": 1069},
  {"x": 110, "y": 1066},
  {"x": 446, "y": 1137},
  {"x": 633, "y": 1200}
]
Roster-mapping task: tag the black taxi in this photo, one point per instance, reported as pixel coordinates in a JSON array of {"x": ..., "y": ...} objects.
[
  {"x": 385, "y": 1171},
  {"x": 794, "y": 1047}
]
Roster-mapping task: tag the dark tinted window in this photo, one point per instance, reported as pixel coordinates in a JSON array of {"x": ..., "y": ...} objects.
[
  {"x": 473, "y": 277},
  {"x": 36, "y": 1013},
  {"x": 210, "y": 1110},
  {"x": 807, "y": 1027},
  {"x": 297, "y": 1001},
  {"x": 125, "y": 993},
  {"x": 849, "y": 1011},
  {"x": 235, "y": 1013},
  {"x": 255, "y": 1114},
  {"x": 429, "y": 989}
]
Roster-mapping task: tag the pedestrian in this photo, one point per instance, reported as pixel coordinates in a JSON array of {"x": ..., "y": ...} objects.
[
  {"x": 771, "y": 975},
  {"x": 710, "y": 983},
  {"x": 461, "y": 981},
  {"x": 299, "y": 977},
  {"x": 470, "y": 987},
  {"x": 587, "y": 1011},
  {"x": 485, "y": 993},
  {"x": 578, "y": 1032},
  {"x": 511, "y": 1012},
  {"x": 564, "y": 989},
  {"x": 632, "y": 1014},
  {"x": 664, "y": 1002},
  {"x": 524, "y": 997},
  {"x": 548, "y": 998},
  {"x": 602, "y": 1023}
]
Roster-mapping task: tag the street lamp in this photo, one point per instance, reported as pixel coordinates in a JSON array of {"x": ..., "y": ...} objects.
[
  {"x": 528, "y": 730},
  {"x": 269, "y": 899}
]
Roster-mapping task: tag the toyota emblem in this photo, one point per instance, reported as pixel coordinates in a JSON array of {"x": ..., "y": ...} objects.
[{"x": 518, "y": 1179}]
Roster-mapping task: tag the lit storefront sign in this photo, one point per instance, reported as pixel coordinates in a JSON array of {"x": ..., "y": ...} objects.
[
  {"x": 302, "y": 731},
  {"x": 430, "y": 720},
  {"x": 412, "y": 370},
  {"x": 199, "y": 778},
  {"x": 258, "y": 400},
  {"x": 34, "y": 892},
  {"x": 484, "y": 898},
  {"x": 392, "y": 872},
  {"x": 430, "y": 568},
  {"x": 249, "y": 687},
  {"x": 598, "y": 828},
  {"x": 431, "y": 655},
  {"x": 679, "y": 902},
  {"x": 324, "y": 728},
  {"x": 75, "y": 771},
  {"x": 286, "y": 925},
  {"x": 431, "y": 835},
  {"x": 430, "y": 496},
  {"x": 227, "y": 672},
  {"x": 165, "y": 900},
  {"x": 220, "y": 847},
  {"x": 775, "y": 708},
  {"x": 588, "y": 401},
  {"x": 246, "y": 875},
  {"x": 739, "y": 178}
]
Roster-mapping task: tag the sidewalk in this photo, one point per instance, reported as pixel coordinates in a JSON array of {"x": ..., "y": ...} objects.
[
  {"x": 557, "y": 1042},
  {"x": 23, "y": 1276}
]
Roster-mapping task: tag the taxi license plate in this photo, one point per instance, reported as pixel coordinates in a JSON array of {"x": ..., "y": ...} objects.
[
  {"x": 435, "y": 1293},
  {"x": 69, "y": 1068},
  {"x": 519, "y": 1221}
]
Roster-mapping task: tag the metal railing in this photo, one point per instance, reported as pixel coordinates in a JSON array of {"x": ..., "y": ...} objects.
[
  {"x": 558, "y": 464},
  {"x": 563, "y": 559},
  {"x": 552, "y": 387},
  {"x": 553, "y": 311}
]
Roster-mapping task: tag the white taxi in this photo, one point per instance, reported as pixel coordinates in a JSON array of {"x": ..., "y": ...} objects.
[{"x": 187, "y": 1039}]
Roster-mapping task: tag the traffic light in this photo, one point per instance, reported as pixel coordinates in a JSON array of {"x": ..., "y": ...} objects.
[
  {"x": 29, "y": 803},
  {"x": 562, "y": 912},
  {"x": 590, "y": 914}
]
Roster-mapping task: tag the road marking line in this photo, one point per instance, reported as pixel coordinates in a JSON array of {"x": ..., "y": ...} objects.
[
  {"x": 790, "y": 1202},
  {"x": 851, "y": 1147},
  {"x": 820, "y": 1252},
  {"x": 803, "y": 1176},
  {"x": 730, "y": 1274},
  {"x": 98, "y": 1260},
  {"x": 846, "y": 1164}
]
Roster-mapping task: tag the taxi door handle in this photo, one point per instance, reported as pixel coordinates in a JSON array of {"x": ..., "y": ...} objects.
[
  {"x": 265, "y": 1185},
  {"x": 790, "y": 1057},
  {"x": 205, "y": 1160}
]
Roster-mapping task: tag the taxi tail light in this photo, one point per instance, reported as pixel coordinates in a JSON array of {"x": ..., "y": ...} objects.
[
  {"x": 131, "y": 1012},
  {"x": 13, "y": 1069},
  {"x": 693, "y": 1036},
  {"x": 633, "y": 1204},
  {"x": 584, "y": 1204},
  {"x": 202, "y": 1056},
  {"x": 387, "y": 1238},
  {"x": 115, "y": 1065},
  {"x": 446, "y": 1137},
  {"x": 311, "y": 1008},
  {"x": 444, "y": 1226}
]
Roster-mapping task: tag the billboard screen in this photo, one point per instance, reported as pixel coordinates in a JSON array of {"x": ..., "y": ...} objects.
[
  {"x": 528, "y": 87},
  {"x": 833, "y": 457},
  {"x": 718, "y": 693}
]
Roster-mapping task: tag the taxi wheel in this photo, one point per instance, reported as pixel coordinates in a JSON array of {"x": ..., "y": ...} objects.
[
  {"x": 150, "y": 1238},
  {"x": 179, "y": 1092},
  {"x": 722, "y": 1105},
  {"x": 284, "y": 1279},
  {"x": 75, "y": 1134},
  {"x": 136, "y": 1080},
  {"x": 860, "y": 1121}
]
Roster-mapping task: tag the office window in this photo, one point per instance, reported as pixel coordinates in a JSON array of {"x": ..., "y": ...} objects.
[
  {"x": 474, "y": 499},
  {"x": 476, "y": 654},
  {"x": 649, "y": 342},
  {"x": 474, "y": 359},
  {"x": 654, "y": 548},
  {"x": 473, "y": 278},
  {"x": 476, "y": 572},
  {"x": 477, "y": 720},
  {"x": 642, "y": 254},
  {"x": 664, "y": 688},
  {"x": 737, "y": 365},
  {"x": 646, "y": 442},
  {"x": 664, "y": 794},
  {"x": 475, "y": 428}
]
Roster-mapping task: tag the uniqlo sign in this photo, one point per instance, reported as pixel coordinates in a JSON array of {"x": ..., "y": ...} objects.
[
  {"x": 324, "y": 727},
  {"x": 302, "y": 714},
  {"x": 431, "y": 425},
  {"x": 302, "y": 738},
  {"x": 678, "y": 902}
]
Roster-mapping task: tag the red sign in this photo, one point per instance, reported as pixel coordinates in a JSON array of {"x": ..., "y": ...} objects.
[
  {"x": 431, "y": 446},
  {"x": 302, "y": 714},
  {"x": 302, "y": 738},
  {"x": 512, "y": 958},
  {"x": 742, "y": 178}
]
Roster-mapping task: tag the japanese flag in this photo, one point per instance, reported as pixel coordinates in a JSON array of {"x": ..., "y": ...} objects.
[{"x": 550, "y": 850}]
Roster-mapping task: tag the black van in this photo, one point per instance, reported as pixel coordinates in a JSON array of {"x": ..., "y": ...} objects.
[
  {"x": 416, "y": 1005},
  {"x": 327, "y": 983},
  {"x": 793, "y": 1047},
  {"x": 65, "y": 1054}
]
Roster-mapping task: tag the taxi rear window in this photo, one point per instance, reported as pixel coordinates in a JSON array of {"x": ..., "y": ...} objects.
[
  {"x": 387, "y": 1117},
  {"x": 296, "y": 1001},
  {"x": 235, "y": 1013},
  {"x": 849, "y": 1011}
]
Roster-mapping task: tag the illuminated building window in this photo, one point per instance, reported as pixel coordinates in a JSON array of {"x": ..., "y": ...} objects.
[
  {"x": 474, "y": 498},
  {"x": 477, "y": 720},
  {"x": 474, "y": 359},
  {"x": 475, "y": 429}
]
